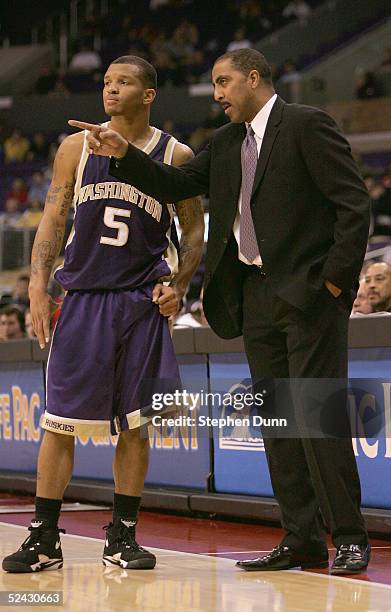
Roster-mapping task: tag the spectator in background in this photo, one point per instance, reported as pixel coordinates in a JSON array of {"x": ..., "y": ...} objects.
[
  {"x": 20, "y": 293},
  {"x": 12, "y": 323},
  {"x": 361, "y": 304},
  {"x": 86, "y": 60},
  {"x": 32, "y": 216},
  {"x": 39, "y": 187},
  {"x": 16, "y": 147},
  {"x": 253, "y": 20},
  {"x": 179, "y": 46},
  {"x": 60, "y": 88},
  {"x": 368, "y": 87},
  {"x": 28, "y": 323},
  {"x": 168, "y": 71},
  {"x": 291, "y": 78},
  {"x": 18, "y": 191},
  {"x": 240, "y": 41},
  {"x": 386, "y": 61},
  {"x": 297, "y": 9},
  {"x": 11, "y": 214},
  {"x": 39, "y": 148},
  {"x": 46, "y": 81},
  {"x": 170, "y": 128},
  {"x": 196, "y": 68},
  {"x": 378, "y": 286}
]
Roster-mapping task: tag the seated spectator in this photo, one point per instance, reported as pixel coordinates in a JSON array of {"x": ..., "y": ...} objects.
[
  {"x": 368, "y": 87},
  {"x": 32, "y": 216},
  {"x": 297, "y": 9},
  {"x": 170, "y": 128},
  {"x": 361, "y": 304},
  {"x": 12, "y": 323},
  {"x": 18, "y": 191},
  {"x": 16, "y": 147},
  {"x": 46, "y": 80},
  {"x": 60, "y": 88},
  {"x": 20, "y": 293},
  {"x": 386, "y": 61},
  {"x": 39, "y": 148},
  {"x": 290, "y": 74},
  {"x": 28, "y": 323},
  {"x": 179, "y": 46},
  {"x": 11, "y": 214},
  {"x": 167, "y": 70},
  {"x": 195, "y": 67},
  {"x": 254, "y": 20},
  {"x": 240, "y": 41},
  {"x": 85, "y": 60},
  {"x": 39, "y": 186},
  {"x": 378, "y": 286}
]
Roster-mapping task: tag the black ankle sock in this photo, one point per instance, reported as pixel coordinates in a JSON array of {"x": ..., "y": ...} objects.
[
  {"x": 125, "y": 507},
  {"x": 47, "y": 510}
]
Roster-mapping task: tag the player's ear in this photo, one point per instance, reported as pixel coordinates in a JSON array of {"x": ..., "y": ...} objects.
[{"x": 149, "y": 96}]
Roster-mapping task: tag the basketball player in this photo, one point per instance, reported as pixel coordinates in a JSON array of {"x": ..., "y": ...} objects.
[{"x": 112, "y": 334}]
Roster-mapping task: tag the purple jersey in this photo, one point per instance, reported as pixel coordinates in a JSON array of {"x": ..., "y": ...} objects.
[{"x": 120, "y": 237}]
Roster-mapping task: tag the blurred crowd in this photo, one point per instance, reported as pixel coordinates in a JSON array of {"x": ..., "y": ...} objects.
[
  {"x": 180, "y": 39},
  {"x": 375, "y": 83}
]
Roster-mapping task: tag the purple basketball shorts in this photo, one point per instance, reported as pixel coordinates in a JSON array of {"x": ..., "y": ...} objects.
[{"x": 110, "y": 352}]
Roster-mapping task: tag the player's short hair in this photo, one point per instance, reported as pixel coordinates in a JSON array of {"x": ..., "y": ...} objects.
[
  {"x": 147, "y": 72},
  {"x": 246, "y": 60},
  {"x": 8, "y": 311}
]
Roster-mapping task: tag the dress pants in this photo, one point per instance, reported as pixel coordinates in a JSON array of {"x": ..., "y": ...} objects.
[{"x": 315, "y": 479}]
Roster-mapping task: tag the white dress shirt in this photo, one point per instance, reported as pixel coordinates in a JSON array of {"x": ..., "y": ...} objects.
[{"x": 259, "y": 126}]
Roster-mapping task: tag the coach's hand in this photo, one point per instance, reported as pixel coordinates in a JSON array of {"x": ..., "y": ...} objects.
[
  {"x": 42, "y": 307},
  {"x": 102, "y": 140},
  {"x": 167, "y": 299}
]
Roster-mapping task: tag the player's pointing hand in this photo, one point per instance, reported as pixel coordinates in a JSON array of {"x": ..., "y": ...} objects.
[{"x": 102, "y": 140}]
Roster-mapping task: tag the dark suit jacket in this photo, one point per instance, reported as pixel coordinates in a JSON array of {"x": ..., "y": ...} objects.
[{"x": 310, "y": 208}]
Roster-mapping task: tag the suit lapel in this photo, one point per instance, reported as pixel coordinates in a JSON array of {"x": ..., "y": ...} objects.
[{"x": 272, "y": 129}]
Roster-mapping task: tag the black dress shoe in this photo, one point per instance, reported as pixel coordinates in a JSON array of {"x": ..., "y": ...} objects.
[
  {"x": 286, "y": 557},
  {"x": 351, "y": 559}
]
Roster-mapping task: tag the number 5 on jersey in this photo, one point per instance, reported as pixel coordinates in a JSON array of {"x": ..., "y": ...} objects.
[{"x": 121, "y": 227}]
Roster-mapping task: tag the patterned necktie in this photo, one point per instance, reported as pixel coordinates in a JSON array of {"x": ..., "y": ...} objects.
[{"x": 249, "y": 156}]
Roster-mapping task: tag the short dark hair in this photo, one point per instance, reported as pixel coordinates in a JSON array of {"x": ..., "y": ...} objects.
[
  {"x": 8, "y": 311},
  {"x": 246, "y": 60},
  {"x": 147, "y": 72}
]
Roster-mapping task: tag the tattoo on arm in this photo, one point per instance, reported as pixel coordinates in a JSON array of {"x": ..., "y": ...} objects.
[
  {"x": 51, "y": 197},
  {"x": 190, "y": 216},
  {"x": 67, "y": 198},
  {"x": 44, "y": 254}
]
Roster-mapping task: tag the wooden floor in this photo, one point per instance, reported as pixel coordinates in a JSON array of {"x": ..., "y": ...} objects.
[{"x": 186, "y": 582}]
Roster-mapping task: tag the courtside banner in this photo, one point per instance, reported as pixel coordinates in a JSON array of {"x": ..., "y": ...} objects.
[
  {"x": 240, "y": 464},
  {"x": 239, "y": 457},
  {"x": 21, "y": 404},
  {"x": 179, "y": 457}
]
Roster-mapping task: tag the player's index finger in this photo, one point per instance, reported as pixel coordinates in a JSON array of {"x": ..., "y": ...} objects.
[{"x": 82, "y": 125}]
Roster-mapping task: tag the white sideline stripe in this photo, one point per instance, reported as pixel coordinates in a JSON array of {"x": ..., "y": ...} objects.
[
  {"x": 245, "y": 552},
  {"x": 380, "y": 585}
]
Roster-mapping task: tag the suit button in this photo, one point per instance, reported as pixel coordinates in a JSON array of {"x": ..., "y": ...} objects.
[{"x": 225, "y": 240}]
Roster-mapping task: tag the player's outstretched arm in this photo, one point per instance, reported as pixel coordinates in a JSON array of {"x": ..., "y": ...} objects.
[{"x": 50, "y": 234}]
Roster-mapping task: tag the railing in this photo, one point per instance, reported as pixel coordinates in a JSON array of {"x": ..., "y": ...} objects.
[
  {"x": 15, "y": 247},
  {"x": 61, "y": 28},
  {"x": 16, "y": 244}
]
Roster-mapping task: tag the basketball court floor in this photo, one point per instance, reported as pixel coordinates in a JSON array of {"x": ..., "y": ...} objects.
[{"x": 195, "y": 569}]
